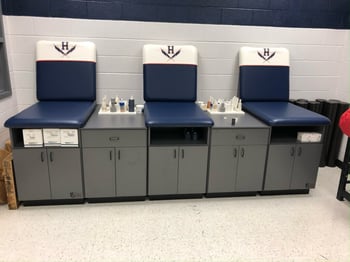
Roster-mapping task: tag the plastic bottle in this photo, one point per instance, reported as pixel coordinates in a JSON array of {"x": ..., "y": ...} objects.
[{"x": 131, "y": 104}]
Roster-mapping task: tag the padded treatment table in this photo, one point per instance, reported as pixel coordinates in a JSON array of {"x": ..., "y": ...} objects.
[
  {"x": 53, "y": 114},
  {"x": 175, "y": 114},
  {"x": 170, "y": 87},
  {"x": 66, "y": 86},
  {"x": 284, "y": 114},
  {"x": 264, "y": 88}
]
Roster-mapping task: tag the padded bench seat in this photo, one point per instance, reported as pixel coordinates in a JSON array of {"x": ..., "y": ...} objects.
[
  {"x": 281, "y": 113},
  {"x": 53, "y": 114},
  {"x": 175, "y": 114}
]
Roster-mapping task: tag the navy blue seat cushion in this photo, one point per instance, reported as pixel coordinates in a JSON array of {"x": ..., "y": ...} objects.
[
  {"x": 66, "y": 80},
  {"x": 264, "y": 83},
  {"x": 175, "y": 114},
  {"x": 164, "y": 82},
  {"x": 54, "y": 114},
  {"x": 284, "y": 114}
]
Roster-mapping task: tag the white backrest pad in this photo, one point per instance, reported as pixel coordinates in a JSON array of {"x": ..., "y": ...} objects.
[
  {"x": 170, "y": 54},
  {"x": 65, "y": 51},
  {"x": 263, "y": 56}
]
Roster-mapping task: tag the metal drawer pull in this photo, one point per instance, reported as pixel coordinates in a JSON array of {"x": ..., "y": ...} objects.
[
  {"x": 242, "y": 152},
  {"x": 240, "y": 137},
  {"x": 118, "y": 154},
  {"x": 183, "y": 153},
  {"x": 235, "y": 152},
  {"x": 51, "y": 156},
  {"x": 299, "y": 151},
  {"x": 292, "y": 151},
  {"x": 42, "y": 156},
  {"x": 110, "y": 155},
  {"x": 174, "y": 153},
  {"x": 114, "y": 138}
]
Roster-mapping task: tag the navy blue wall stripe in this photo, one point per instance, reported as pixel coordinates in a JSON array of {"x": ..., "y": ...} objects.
[{"x": 283, "y": 13}]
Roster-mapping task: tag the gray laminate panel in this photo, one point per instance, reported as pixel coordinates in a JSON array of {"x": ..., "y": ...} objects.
[
  {"x": 31, "y": 174},
  {"x": 65, "y": 173},
  {"x": 240, "y": 136},
  {"x": 193, "y": 165},
  {"x": 241, "y": 121},
  {"x": 114, "y": 138}
]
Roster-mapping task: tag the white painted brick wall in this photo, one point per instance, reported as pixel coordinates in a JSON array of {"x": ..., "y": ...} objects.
[
  {"x": 343, "y": 90},
  {"x": 319, "y": 57},
  {"x": 8, "y": 105}
]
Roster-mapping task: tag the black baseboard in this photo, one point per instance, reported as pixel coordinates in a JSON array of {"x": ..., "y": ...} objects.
[
  {"x": 285, "y": 192},
  {"x": 52, "y": 202},
  {"x": 170, "y": 197},
  {"x": 115, "y": 199},
  {"x": 231, "y": 194}
]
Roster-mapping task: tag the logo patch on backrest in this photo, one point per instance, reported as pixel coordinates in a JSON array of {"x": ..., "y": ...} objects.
[
  {"x": 64, "y": 49},
  {"x": 266, "y": 55},
  {"x": 170, "y": 53}
]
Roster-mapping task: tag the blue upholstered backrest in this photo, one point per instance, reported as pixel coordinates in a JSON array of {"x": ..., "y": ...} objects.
[
  {"x": 169, "y": 73},
  {"x": 66, "y": 71},
  {"x": 264, "y": 74}
]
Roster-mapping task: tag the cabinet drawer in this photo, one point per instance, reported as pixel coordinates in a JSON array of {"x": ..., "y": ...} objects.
[
  {"x": 239, "y": 136},
  {"x": 112, "y": 138}
]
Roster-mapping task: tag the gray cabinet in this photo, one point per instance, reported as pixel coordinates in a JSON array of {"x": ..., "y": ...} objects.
[
  {"x": 292, "y": 166},
  {"x": 115, "y": 163},
  {"x": 99, "y": 172},
  {"x": 48, "y": 173},
  {"x": 237, "y": 160},
  {"x": 251, "y": 167},
  {"x": 177, "y": 170}
]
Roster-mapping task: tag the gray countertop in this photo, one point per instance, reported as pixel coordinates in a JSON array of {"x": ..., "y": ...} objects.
[
  {"x": 242, "y": 121},
  {"x": 97, "y": 121},
  {"x": 137, "y": 121}
]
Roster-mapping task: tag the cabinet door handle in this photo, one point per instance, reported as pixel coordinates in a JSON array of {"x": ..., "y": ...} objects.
[
  {"x": 42, "y": 157},
  {"x": 110, "y": 155},
  {"x": 118, "y": 154},
  {"x": 183, "y": 153},
  {"x": 114, "y": 138},
  {"x": 235, "y": 152},
  {"x": 51, "y": 156},
  {"x": 242, "y": 152},
  {"x": 299, "y": 151},
  {"x": 174, "y": 153},
  {"x": 292, "y": 151}
]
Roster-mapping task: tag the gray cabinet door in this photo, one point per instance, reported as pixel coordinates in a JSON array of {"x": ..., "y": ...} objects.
[
  {"x": 31, "y": 174},
  {"x": 251, "y": 167},
  {"x": 279, "y": 167},
  {"x": 193, "y": 165},
  {"x": 65, "y": 173},
  {"x": 222, "y": 169},
  {"x": 131, "y": 172},
  {"x": 307, "y": 159},
  {"x": 162, "y": 172},
  {"x": 99, "y": 172}
]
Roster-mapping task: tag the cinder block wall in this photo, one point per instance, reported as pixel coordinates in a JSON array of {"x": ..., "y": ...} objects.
[{"x": 315, "y": 31}]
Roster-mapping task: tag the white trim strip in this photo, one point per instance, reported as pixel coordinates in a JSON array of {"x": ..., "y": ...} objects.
[
  {"x": 253, "y": 56},
  {"x": 172, "y": 54},
  {"x": 65, "y": 51}
]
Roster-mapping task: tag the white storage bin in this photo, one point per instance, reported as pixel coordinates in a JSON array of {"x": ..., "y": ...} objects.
[
  {"x": 69, "y": 137},
  {"x": 52, "y": 136},
  {"x": 32, "y": 137}
]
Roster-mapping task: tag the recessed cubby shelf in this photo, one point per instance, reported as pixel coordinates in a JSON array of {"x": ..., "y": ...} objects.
[
  {"x": 17, "y": 137},
  {"x": 179, "y": 136},
  {"x": 289, "y": 134}
]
